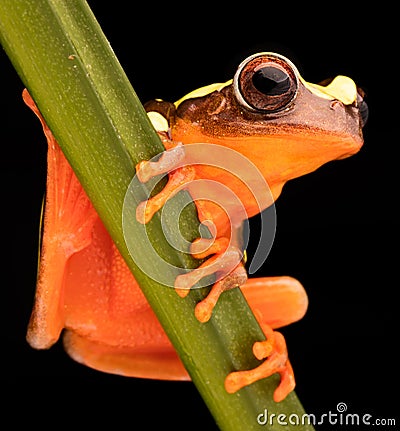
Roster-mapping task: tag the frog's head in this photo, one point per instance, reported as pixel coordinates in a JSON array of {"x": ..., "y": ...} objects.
[{"x": 268, "y": 112}]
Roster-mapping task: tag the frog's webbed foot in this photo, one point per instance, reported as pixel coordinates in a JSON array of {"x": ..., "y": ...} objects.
[
  {"x": 225, "y": 262},
  {"x": 275, "y": 350}
]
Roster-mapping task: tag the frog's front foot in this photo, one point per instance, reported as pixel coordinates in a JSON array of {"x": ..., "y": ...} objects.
[
  {"x": 178, "y": 177},
  {"x": 226, "y": 266},
  {"x": 225, "y": 261},
  {"x": 274, "y": 349}
]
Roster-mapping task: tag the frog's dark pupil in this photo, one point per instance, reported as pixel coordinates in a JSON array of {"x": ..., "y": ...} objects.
[{"x": 271, "y": 81}]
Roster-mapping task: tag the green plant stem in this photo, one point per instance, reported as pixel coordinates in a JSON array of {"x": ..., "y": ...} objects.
[{"x": 65, "y": 61}]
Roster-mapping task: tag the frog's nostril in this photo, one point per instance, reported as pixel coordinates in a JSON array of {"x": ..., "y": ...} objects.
[{"x": 362, "y": 107}]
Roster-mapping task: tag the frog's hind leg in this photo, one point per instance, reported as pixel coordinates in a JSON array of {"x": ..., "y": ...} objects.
[
  {"x": 160, "y": 364},
  {"x": 67, "y": 226},
  {"x": 276, "y": 302}
]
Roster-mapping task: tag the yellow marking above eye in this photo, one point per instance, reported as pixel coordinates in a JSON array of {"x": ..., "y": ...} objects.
[
  {"x": 340, "y": 88},
  {"x": 203, "y": 91}
]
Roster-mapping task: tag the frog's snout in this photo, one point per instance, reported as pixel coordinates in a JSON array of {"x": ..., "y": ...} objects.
[{"x": 362, "y": 106}]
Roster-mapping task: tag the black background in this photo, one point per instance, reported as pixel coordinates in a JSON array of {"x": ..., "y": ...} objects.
[{"x": 336, "y": 227}]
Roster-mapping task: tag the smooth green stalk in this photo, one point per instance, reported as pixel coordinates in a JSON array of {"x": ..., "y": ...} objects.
[{"x": 65, "y": 61}]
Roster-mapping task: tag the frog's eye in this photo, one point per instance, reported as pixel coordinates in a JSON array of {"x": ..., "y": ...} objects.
[{"x": 266, "y": 83}]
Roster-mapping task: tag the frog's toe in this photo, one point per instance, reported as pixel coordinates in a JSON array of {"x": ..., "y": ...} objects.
[
  {"x": 170, "y": 162},
  {"x": 230, "y": 273},
  {"x": 204, "y": 308},
  {"x": 287, "y": 383},
  {"x": 178, "y": 179},
  {"x": 170, "y": 159},
  {"x": 274, "y": 349}
]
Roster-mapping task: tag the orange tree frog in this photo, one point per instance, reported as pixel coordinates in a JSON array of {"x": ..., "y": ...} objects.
[{"x": 269, "y": 114}]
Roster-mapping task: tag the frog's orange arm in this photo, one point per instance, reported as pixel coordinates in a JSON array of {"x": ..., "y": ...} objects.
[{"x": 85, "y": 288}]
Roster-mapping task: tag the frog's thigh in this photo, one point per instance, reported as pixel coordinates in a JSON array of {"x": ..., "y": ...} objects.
[
  {"x": 109, "y": 324},
  {"x": 163, "y": 364},
  {"x": 277, "y": 301}
]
